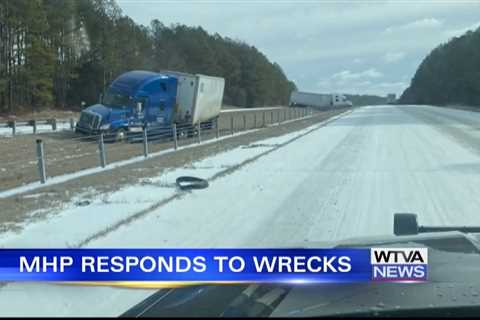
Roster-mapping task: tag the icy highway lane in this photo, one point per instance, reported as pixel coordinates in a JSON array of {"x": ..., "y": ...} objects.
[
  {"x": 343, "y": 180},
  {"x": 329, "y": 182}
]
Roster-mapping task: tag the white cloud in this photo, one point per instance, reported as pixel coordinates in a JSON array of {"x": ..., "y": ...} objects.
[
  {"x": 390, "y": 87},
  {"x": 391, "y": 57},
  {"x": 312, "y": 40},
  {"x": 460, "y": 31},
  {"x": 369, "y": 81},
  {"x": 362, "y": 87},
  {"x": 426, "y": 23},
  {"x": 346, "y": 75},
  {"x": 323, "y": 84},
  {"x": 392, "y": 84},
  {"x": 347, "y": 81}
]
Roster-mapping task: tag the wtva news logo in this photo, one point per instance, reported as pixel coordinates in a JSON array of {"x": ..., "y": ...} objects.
[{"x": 399, "y": 264}]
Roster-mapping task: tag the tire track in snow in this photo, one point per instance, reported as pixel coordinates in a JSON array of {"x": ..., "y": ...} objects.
[
  {"x": 306, "y": 226},
  {"x": 449, "y": 128},
  {"x": 447, "y": 125}
]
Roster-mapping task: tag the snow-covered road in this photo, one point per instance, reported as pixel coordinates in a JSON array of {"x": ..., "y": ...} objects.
[{"x": 341, "y": 180}]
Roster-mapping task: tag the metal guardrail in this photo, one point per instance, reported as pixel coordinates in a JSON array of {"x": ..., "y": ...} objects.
[
  {"x": 251, "y": 109},
  {"x": 173, "y": 134},
  {"x": 53, "y": 122}
]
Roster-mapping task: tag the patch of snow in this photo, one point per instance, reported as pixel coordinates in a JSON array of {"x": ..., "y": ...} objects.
[{"x": 43, "y": 128}]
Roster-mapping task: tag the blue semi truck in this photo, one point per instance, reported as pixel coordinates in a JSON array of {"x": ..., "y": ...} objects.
[{"x": 139, "y": 99}]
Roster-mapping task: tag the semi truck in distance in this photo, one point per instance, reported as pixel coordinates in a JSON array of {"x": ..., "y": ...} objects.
[
  {"x": 143, "y": 99},
  {"x": 391, "y": 98},
  {"x": 318, "y": 100}
]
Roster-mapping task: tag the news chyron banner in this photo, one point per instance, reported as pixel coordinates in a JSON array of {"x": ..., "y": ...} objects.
[{"x": 190, "y": 266}]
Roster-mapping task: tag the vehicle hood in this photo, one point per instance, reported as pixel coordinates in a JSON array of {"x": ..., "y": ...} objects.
[
  {"x": 100, "y": 109},
  {"x": 108, "y": 114},
  {"x": 453, "y": 280}
]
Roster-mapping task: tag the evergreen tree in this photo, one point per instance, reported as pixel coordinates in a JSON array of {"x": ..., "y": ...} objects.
[
  {"x": 450, "y": 74},
  {"x": 58, "y": 53}
]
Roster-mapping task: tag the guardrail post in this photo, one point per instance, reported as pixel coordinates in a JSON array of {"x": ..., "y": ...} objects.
[
  {"x": 231, "y": 125},
  {"x": 217, "y": 129},
  {"x": 278, "y": 116},
  {"x": 244, "y": 122},
  {"x": 263, "y": 119},
  {"x": 34, "y": 123},
  {"x": 199, "y": 129},
  {"x": 254, "y": 120},
  {"x": 145, "y": 142},
  {"x": 175, "y": 137},
  {"x": 271, "y": 117},
  {"x": 54, "y": 124},
  {"x": 14, "y": 127},
  {"x": 41, "y": 161},
  {"x": 72, "y": 124},
  {"x": 101, "y": 151}
]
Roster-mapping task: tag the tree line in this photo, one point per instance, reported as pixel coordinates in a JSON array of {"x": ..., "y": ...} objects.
[
  {"x": 58, "y": 53},
  {"x": 450, "y": 74}
]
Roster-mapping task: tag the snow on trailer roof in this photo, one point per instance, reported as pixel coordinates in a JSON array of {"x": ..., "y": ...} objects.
[{"x": 185, "y": 74}]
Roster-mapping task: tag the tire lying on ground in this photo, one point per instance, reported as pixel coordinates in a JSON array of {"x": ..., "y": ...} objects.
[{"x": 189, "y": 183}]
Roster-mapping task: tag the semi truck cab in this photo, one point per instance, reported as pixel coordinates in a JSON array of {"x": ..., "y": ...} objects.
[{"x": 134, "y": 99}]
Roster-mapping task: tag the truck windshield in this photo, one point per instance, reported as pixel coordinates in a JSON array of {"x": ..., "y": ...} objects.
[{"x": 116, "y": 100}]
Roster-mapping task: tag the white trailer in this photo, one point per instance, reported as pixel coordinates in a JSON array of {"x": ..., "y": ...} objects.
[
  {"x": 318, "y": 100},
  {"x": 199, "y": 97},
  {"x": 310, "y": 99},
  {"x": 391, "y": 98}
]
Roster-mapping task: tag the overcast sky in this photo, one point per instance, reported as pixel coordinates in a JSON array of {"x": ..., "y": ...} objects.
[{"x": 366, "y": 47}]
